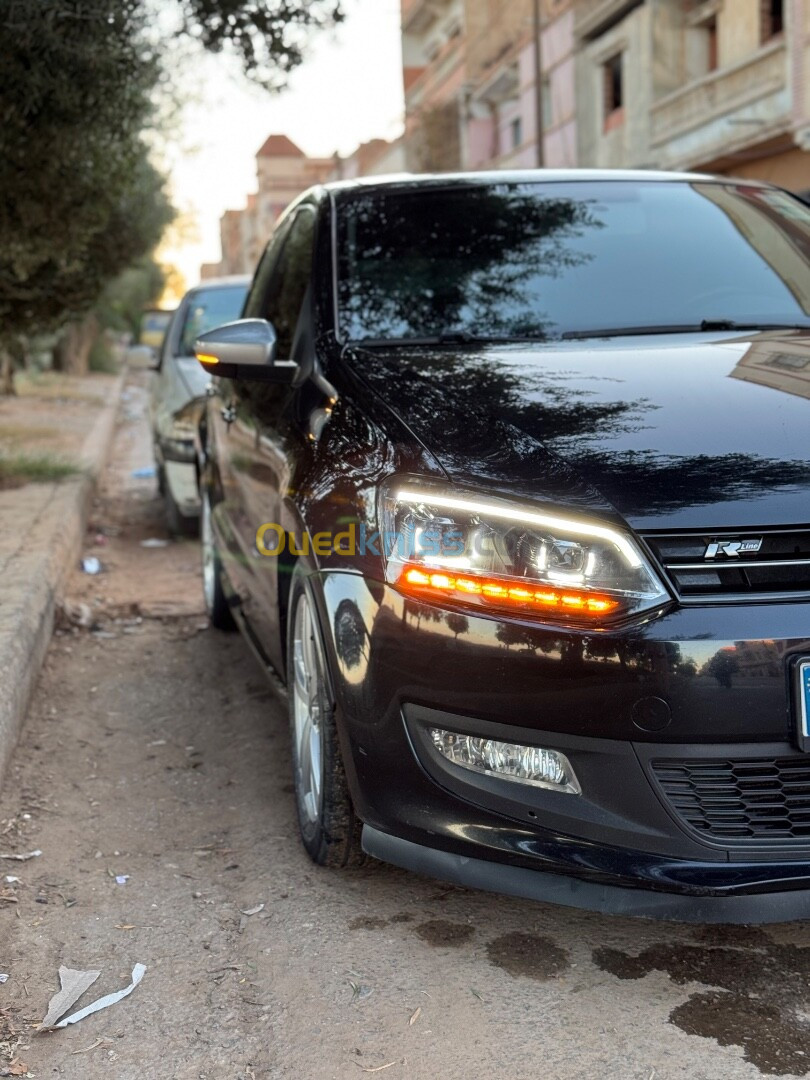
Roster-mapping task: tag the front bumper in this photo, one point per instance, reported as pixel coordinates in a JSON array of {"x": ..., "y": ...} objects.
[
  {"x": 730, "y": 906},
  {"x": 615, "y": 705}
]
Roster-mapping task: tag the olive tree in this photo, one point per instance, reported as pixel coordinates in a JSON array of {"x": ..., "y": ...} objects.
[{"x": 79, "y": 83}]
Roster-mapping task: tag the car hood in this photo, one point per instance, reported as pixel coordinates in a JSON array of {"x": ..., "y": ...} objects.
[{"x": 679, "y": 431}]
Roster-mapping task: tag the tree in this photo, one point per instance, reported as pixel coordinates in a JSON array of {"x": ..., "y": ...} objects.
[
  {"x": 81, "y": 198},
  {"x": 458, "y": 624},
  {"x": 121, "y": 304},
  {"x": 269, "y": 36}
]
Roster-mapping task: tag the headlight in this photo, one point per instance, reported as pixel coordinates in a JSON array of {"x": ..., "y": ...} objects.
[{"x": 448, "y": 544}]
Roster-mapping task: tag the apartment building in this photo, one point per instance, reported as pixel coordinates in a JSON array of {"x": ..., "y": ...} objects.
[
  {"x": 471, "y": 90},
  {"x": 378, "y": 157},
  {"x": 283, "y": 171},
  {"x": 502, "y": 100},
  {"x": 710, "y": 85},
  {"x": 434, "y": 75}
]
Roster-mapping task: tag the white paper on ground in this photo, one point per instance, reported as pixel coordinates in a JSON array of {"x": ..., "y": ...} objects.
[
  {"x": 138, "y": 973},
  {"x": 73, "y": 984}
]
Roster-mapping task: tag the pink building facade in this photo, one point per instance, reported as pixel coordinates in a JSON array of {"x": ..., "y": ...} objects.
[{"x": 474, "y": 64}]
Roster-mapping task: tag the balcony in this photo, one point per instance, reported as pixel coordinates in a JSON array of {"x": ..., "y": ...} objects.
[
  {"x": 595, "y": 17},
  {"x": 752, "y": 98},
  {"x": 417, "y": 15}
]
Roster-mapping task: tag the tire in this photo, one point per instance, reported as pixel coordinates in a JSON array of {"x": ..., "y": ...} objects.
[
  {"x": 178, "y": 524},
  {"x": 216, "y": 603},
  {"x": 330, "y": 830}
]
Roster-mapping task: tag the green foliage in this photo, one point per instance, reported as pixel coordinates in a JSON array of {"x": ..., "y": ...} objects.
[
  {"x": 102, "y": 358},
  {"x": 121, "y": 304},
  {"x": 269, "y": 36},
  {"x": 79, "y": 82},
  {"x": 19, "y": 469},
  {"x": 81, "y": 200}
]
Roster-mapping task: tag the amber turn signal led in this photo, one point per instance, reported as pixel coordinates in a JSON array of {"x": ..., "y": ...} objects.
[{"x": 503, "y": 593}]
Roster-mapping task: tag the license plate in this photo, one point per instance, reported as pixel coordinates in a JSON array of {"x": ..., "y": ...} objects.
[{"x": 803, "y": 703}]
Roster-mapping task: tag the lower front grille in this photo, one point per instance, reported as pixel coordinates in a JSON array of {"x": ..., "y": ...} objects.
[{"x": 756, "y": 799}]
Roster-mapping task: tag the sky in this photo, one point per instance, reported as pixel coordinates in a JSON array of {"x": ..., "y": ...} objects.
[{"x": 348, "y": 90}]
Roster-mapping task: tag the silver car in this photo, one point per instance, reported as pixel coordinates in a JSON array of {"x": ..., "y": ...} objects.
[{"x": 178, "y": 392}]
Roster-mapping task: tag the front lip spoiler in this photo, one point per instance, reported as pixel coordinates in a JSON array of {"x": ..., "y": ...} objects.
[{"x": 760, "y": 907}]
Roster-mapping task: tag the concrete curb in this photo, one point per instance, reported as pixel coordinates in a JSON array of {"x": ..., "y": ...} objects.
[{"x": 33, "y": 579}]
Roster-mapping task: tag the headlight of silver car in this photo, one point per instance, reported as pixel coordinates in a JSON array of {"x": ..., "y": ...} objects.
[{"x": 448, "y": 544}]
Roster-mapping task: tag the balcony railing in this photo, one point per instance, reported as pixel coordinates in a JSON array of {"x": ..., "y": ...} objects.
[{"x": 723, "y": 93}]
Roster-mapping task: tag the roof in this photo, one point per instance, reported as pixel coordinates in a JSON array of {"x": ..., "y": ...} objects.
[
  {"x": 529, "y": 176},
  {"x": 425, "y": 181},
  {"x": 222, "y": 282},
  {"x": 280, "y": 146}
]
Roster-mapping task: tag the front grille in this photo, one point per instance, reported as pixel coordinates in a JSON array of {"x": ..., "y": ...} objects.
[
  {"x": 756, "y": 799},
  {"x": 752, "y": 565}
]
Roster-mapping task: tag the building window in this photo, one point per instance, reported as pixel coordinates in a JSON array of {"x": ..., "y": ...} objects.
[
  {"x": 710, "y": 28},
  {"x": 772, "y": 18},
  {"x": 516, "y": 129},
  {"x": 613, "y": 80}
]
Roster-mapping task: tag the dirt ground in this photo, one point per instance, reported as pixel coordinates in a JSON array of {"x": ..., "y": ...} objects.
[
  {"x": 49, "y": 417},
  {"x": 155, "y": 751}
]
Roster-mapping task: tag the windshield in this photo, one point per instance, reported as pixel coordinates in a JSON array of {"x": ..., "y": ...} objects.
[
  {"x": 207, "y": 309},
  {"x": 545, "y": 260}
]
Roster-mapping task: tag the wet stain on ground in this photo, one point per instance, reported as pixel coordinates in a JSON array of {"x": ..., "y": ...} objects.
[
  {"x": 530, "y": 955},
  {"x": 760, "y": 996},
  {"x": 746, "y": 936},
  {"x": 442, "y": 933},
  {"x": 773, "y": 1041},
  {"x": 375, "y": 922},
  {"x": 368, "y": 922}
]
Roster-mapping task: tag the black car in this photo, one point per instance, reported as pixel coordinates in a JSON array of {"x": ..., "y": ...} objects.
[{"x": 507, "y": 477}]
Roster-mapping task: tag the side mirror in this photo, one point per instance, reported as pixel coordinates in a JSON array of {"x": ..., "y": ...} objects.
[
  {"x": 245, "y": 349},
  {"x": 141, "y": 358}
]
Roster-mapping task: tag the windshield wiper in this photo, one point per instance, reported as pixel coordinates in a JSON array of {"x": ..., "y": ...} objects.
[
  {"x": 730, "y": 324},
  {"x": 707, "y": 326},
  {"x": 450, "y": 337}
]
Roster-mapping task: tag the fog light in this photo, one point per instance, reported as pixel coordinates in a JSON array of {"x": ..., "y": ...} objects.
[{"x": 511, "y": 761}]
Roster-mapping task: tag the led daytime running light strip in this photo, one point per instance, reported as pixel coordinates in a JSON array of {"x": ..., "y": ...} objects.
[{"x": 548, "y": 521}]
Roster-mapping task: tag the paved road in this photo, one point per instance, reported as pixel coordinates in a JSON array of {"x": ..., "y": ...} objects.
[{"x": 155, "y": 749}]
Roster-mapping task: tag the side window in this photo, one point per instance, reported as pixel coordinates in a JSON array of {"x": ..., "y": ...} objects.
[
  {"x": 290, "y": 279},
  {"x": 254, "y": 305}
]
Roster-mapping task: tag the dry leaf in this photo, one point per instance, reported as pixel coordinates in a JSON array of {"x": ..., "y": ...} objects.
[
  {"x": 16, "y": 1068},
  {"x": 379, "y": 1067},
  {"x": 415, "y": 1017}
]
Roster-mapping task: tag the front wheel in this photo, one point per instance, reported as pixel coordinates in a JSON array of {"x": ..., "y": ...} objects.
[
  {"x": 329, "y": 828},
  {"x": 216, "y": 603}
]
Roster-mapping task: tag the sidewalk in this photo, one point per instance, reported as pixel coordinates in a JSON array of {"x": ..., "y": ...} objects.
[{"x": 41, "y": 529}]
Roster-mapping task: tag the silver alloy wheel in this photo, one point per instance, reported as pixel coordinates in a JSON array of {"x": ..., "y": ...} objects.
[
  {"x": 309, "y": 702},
  {"x": 208, "y": 555}
]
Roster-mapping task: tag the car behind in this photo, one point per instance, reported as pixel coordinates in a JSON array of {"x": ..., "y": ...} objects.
[{"x": 177, "y": 393}]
